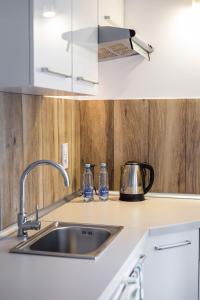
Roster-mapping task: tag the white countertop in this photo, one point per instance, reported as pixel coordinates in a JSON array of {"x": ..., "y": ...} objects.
[{"x": 50, "y": 278}]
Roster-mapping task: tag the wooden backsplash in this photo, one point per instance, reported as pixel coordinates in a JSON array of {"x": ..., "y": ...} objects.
[
  {"x": 165, "y": 133},
  {"x": 32, "y": 128}
]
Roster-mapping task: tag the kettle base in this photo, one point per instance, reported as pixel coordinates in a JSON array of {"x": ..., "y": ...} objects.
[{"x": 131, "y": 197}]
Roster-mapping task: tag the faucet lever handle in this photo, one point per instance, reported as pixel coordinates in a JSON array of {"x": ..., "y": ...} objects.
[{"x": 37, "y": 213}]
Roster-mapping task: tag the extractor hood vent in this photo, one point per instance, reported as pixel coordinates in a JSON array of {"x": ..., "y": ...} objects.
[{"x": 117, "y": 42}]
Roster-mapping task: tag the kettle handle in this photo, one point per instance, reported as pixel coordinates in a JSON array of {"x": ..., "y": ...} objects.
[{"x": 151, "y": 180}]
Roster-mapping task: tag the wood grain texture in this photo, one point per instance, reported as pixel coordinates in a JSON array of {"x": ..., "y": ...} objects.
[
  {"x": 96, "y": 126},
  {"x": 165, "y": 133},
  {"x": 76, "y": 163},
  {"x": 32, "y": 128},
  {"x": 11, "y": 153},
  {"x": 60, "y": 125},
  {"x": 193, "y": 147},
  {"x": 50, "y": 149},
  {"x": 130, "y": 134},
  {"x": 32, "y": 145},
  {"x": 65, "y": 136},
  {"x": 167, "y": 144}
]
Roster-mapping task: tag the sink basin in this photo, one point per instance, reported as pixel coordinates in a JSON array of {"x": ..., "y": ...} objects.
[{"x": 69, "y": 240}]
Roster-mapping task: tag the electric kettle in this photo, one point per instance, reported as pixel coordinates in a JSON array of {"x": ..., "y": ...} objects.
[{"x": 133, "y": 184}]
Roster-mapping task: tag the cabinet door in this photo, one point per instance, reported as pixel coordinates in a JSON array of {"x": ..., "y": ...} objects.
[
  {"x": 171, "y": 273},
  {"x": 111, "y": 13},
  {"x": 52, "y": 49},
  {"x": 85, "y": 38}
]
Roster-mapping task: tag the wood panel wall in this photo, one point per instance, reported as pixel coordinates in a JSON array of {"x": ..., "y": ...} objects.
[
  {"x": 193, "y": 146},
  {"x": 165, "y": 133},
  {"x": 32, "y": 128},
  {"x": 97, "y": 134},
  {"x": 130, "y": 134},
  {"x": 167, "y": 144}
]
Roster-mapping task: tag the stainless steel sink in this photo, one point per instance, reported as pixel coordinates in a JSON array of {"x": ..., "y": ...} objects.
[{"x": 69, "y": 240}]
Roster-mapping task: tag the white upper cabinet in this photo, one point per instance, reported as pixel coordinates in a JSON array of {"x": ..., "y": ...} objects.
[
  {"x": 111, "y": 13},
  {"x": 37, "y": 51},
  {"x": 52, "y": 48},
  {"x": 85, "y": 46},
  {"x": 15, "y": 46}
]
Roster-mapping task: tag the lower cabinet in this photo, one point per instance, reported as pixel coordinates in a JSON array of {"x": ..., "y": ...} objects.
[{"x": 171, "y": 267}]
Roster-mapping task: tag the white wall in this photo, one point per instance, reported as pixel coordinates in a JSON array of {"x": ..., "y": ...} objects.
[{"x": 173, "y": 28}]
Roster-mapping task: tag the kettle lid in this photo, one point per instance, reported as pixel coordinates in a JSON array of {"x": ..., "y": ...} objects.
[{"x": 132, "y": 163}]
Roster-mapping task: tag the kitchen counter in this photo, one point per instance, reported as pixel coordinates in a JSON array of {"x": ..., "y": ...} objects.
[{"x": 41, "y": 277}]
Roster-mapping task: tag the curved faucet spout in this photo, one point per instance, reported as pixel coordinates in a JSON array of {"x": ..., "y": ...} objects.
[{"x": 23, "y": 225}]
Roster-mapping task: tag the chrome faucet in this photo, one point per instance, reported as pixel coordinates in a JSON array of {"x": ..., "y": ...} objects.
[{"x": 23, "y": 224}]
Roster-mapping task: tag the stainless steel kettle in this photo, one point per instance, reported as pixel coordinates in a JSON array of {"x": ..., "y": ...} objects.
[{"x": 133, "y": 181}]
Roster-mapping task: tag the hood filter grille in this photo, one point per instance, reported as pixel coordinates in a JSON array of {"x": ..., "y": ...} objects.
[{"x": 119, "y": 49}]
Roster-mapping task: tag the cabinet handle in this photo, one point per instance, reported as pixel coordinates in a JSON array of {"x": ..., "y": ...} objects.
[
  {"x": 180, "y": 244},
  {"x": 47, "y": 70},
  {"x": 80, "y": 78}
]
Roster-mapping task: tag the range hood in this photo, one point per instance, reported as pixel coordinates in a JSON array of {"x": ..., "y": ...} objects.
[{"x": 115, "y": 42}]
